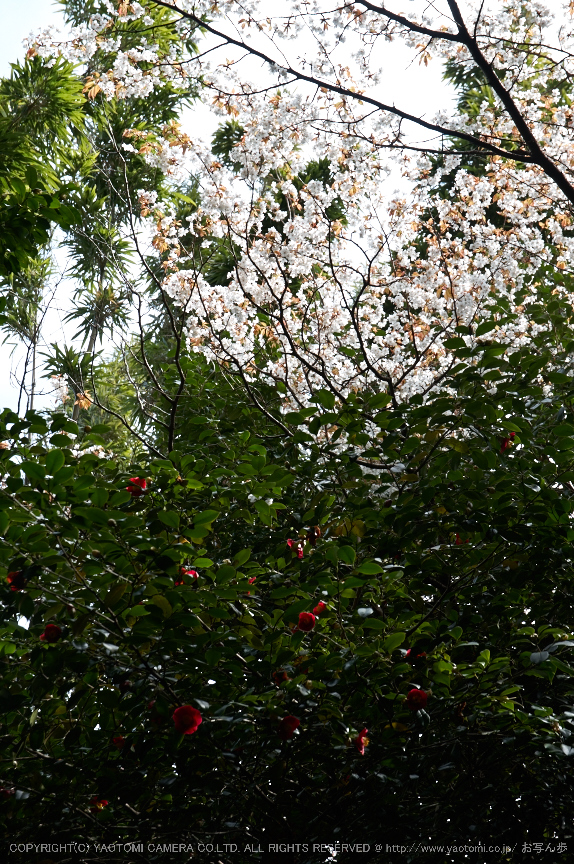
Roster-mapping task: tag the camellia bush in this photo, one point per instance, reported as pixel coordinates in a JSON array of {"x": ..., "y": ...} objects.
[{"x": 292, "y": 643}]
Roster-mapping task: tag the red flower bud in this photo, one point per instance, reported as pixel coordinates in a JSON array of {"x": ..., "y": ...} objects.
[
  {"x": 306, "y": 621},
  {"x": 415, "y": 657},
  {"x": 119, "y": 741},
  {"x": 16, "y": 580},
  {"x": 361, "y": 741},
  {"x": 186, "y": 719},
  {"x": 51, "y": 633},
  {"x": 287, "y": 727},
  {"x": 97, "y": 804},
  {"x": 6, "y": 792},
  {"x": 136, "y": 487},
  {"x": 319, "y": 608},
  {"x": 416, "y": 699},
  {"x": 296, "y": 544},
  {"x": 183, "y": 571},
  {"x": 280, "y": 676},
  {"x": 506, "y": 442}
]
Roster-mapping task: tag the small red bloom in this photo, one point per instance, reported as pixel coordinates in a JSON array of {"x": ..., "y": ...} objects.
[
  {"x": 183, "y": 571},
  {"x": 415, "y": 657},
  {"x": 296, "y": 544},
  {"x": 137, "y": 486},
  {"x": 51, "y": 633},
  {"x": 119, "y": 741},
  {"x": 252, "y": 580},
  {"x": 280, "y": 676},
  {"x": 306, "y": 621},
  {"x": 97, "y": 804},
  {"x": 287, "y": 727},
  {"x": 506, "y": 442},
  {"x": 16, "y": 580},
  {"x": 186, "y": 719},
  {"x": 319, "y": 608},
  {"x": 6, "y": 792},
  {"x": 361, "y": 741},
  {"x": 416, "y": 699}
]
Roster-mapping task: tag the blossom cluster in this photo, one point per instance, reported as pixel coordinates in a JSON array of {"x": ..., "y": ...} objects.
[
  {"x": 134, "y": 71},
  {"x": 327, "y": 284}
]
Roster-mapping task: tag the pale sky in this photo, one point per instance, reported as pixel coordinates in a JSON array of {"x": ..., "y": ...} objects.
[{"x": 19, "y": 18}]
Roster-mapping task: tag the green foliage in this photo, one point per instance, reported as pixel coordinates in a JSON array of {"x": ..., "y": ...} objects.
[
  {"x": 464, "y": 557},
  {"x": 472, "y": 86},
  {"x": 24, "y": 300},
  {"x": 40, "y": 121},
  {"x": 41, "y": 112},
  {"x": 107, "y": 210},
  {"x": 321, "y": 170},
  {"x": 224, "y": 140}
]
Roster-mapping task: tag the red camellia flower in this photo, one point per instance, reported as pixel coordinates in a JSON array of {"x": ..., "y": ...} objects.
[
  {"x": 16, "y": 580},
  {"x": 416, "y": 699},
  {"x": 506, "y": 442},
  {"x": 319, "y": 608},
  {"x": 137, "y": 486},
  {"x": 280, "y": 676},
  {"x": 306, "y": 621},
  {"x": 287, "y": 727},
  {"x": 97, "y": 804},
  {"x": 51, "y": 633},
  {"x": 186, "y": 719},
  {"x": 183, "y": 571},
  {"x": 361, "y": 741},
  {"x": 296, "y": 544},
  {"x": 119, "y": 741}
]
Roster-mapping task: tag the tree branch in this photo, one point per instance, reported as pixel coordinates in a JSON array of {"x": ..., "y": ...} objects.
[{"x": 516, "y": 155}]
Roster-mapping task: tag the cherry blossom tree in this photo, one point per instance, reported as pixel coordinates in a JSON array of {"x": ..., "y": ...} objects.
[{"x": 322, "y": 282}]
